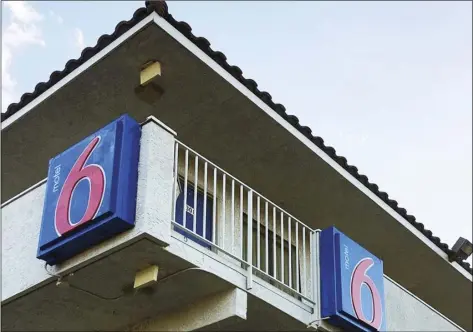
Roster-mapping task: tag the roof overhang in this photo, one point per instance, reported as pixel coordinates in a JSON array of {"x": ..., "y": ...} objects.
[{"x": 222, "y": 119}]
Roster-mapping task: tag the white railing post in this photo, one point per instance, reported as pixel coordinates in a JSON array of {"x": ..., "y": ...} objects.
[
  {"x": 186, "y": 171},
  {"x": 175, "y": 181},
  {"x": 249, "y": 280},
  {"x": 315, "y": 277},
  {"x": 196, "y": 184},
  {"x": 204, "y": 218},
  {"x": 304, "y": 265},
  {"x": 242, "y": 202},
  {"x": 214, "y": 210},
  {"x": 317, "y": 271},
  {"x": 282, "y": 247},
  {"x": 224, "y": 211},
  {"x": 311, "y": 266}
]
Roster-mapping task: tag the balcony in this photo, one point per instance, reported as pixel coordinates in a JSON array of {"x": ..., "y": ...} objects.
[
  {"x": 217, "y": 216},
  {"x": 215, "y": 239}
]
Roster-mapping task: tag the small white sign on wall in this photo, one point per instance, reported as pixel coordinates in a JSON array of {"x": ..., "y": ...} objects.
[{"x": 190, "y": 210}]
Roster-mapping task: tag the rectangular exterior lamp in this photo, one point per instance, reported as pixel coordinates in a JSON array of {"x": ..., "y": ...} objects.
[{"x": 462, "y": 249}]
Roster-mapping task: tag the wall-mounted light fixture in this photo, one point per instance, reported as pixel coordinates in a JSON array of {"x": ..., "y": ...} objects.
[
  {"x": 462, "y": 249},
  {"x": 150, "y": 71},
  {"x": 149, "y": 89}
]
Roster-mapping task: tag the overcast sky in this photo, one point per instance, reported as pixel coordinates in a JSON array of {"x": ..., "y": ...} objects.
[{"x": 387, "y": 84}]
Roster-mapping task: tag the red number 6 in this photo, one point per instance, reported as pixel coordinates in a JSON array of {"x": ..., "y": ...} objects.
[
  {"x": 96, "y": 177},
  {"x": 359, "y": 278}
]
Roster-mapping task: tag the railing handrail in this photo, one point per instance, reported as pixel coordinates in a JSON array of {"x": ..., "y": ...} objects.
[{"x": 245, "y": 185}]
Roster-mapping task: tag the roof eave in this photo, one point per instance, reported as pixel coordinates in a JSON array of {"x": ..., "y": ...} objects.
[{"x": 157, "y": 11}]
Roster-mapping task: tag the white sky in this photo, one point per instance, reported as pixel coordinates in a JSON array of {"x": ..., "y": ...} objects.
[{"x": 387, "y": 84}]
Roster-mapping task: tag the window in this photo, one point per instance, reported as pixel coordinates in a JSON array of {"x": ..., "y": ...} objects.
[
  {"x": 271, "y": 263},
  {"x": 192, "y": 210}
]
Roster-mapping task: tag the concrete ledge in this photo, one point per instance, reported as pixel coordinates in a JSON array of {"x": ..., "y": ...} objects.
[
  {"x": 159, "y": 123},
  {"x": 210, "y": 313}
]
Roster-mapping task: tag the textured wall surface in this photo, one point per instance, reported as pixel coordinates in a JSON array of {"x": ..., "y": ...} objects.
[
  {"x": 21, "y": 221},
  {"x": 155, "y": 180},
  {"x": 218, "y": 309},
  {"x": 404, "y": 312}
]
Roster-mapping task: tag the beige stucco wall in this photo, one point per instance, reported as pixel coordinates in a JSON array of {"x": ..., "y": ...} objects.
[{"x": 220, "y": 310}]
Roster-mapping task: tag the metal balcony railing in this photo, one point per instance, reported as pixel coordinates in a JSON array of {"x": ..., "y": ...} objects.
[{"x": 221, "y": 213}]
